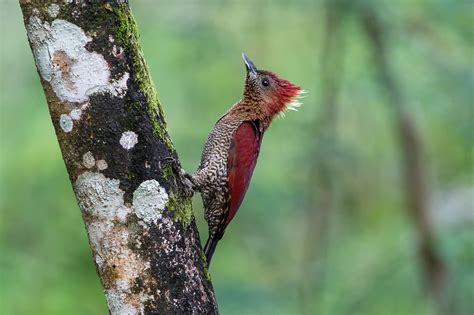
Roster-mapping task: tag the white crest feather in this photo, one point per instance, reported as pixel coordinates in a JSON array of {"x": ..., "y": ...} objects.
[{"x": 295, "y": 102}]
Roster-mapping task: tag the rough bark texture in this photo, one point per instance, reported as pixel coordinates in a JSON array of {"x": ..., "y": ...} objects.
[{"x": 112, "y": 135}]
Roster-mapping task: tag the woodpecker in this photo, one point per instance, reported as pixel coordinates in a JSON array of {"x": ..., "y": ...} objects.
[{"x": 230, "y": 153}]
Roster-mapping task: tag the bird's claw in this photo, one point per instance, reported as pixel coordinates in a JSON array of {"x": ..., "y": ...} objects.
[
  {"x": 188, "y": 184},
  {"x": 185, "y": 178}
]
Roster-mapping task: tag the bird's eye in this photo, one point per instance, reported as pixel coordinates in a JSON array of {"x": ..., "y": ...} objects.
[{"x": 265, "y": 82}]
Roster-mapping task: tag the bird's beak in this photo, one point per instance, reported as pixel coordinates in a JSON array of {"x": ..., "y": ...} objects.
[{"x": 251, "y": 69}]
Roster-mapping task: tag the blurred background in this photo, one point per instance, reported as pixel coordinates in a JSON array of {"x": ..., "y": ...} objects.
[{"x": 362, "y": 201}]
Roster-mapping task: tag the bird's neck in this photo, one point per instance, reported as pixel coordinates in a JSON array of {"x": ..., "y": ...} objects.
[{"x": 252, "y": 110}]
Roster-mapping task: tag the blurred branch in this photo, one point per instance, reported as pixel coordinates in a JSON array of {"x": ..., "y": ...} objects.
[
  {"x": 432, "y": 263},
  {"x": 112, "y": 133},
  {"x": 322, "y": 177}
]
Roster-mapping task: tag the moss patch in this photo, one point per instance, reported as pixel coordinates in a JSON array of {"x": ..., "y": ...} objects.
[
  {"x": 182, "y": 209},
  {"x": 204, "y": 266},
  {"x": 126, "y": 36},
  {"x": 167, "y": 171}
]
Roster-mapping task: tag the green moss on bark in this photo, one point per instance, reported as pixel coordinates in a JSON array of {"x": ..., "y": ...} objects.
[
  {"x": 182, "y": 210},
  {"x": 126, "y": 36},
  {"x": 204, "y": 268},
  {"x": 167, "y": 171}
]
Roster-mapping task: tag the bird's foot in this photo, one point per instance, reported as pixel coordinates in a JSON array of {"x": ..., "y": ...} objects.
[{"x": 185, "y": 178}]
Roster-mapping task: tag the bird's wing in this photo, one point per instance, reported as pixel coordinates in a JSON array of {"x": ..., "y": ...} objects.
[{"x": 243, "y": 154}]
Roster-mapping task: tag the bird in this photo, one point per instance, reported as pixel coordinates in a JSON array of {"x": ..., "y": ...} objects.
[{"x": 232, "y": 147}]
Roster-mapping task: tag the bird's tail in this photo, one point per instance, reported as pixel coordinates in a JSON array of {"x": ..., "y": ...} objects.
[{"x": 210, "y": 248}]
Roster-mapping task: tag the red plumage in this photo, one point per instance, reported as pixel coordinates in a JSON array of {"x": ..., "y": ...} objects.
[{"x": 243, "y": 154}]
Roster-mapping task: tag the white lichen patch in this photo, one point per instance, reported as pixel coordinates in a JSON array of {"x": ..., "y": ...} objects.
[
  {"x": 88, "y": 160},
  {"x": 127, "y": 267},
  {"x": 149, "y": 201},
  {"x": 97, "y": 232},
  {"x": 65, "y": 122},
  {"x": 122, "y": 214},
  {"x": 102, "y": 200},
  {"x": 101, "y": 165},
  {"x": 117, "y": 305},
  {"x": 84, "y": 107},
  {"x": 128, "y": 140},
  {"x": 53, "y": 10},
  {"x": 122, "y": 284},
  {"x": 116, "y": 88},
  {"x": 75, "y": 114},
  {"x": 99, "y": 196},
  {"x": 120, "y": 86},
  {"x": 63, "y": 60}
]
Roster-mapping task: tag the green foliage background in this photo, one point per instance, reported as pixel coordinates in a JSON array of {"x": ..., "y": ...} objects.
[{"x": 367, "y": 261}]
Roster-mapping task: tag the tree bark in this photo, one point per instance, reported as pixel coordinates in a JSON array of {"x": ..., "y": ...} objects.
[
  {"x": 112, "y": 133},
  {"x": 433, "y": 266}
]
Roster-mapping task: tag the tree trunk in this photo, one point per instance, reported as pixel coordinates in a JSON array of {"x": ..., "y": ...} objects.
[{"x": 113, "y": 137}]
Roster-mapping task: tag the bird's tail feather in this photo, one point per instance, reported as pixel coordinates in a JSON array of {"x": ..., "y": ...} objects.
[{"x": 210, "y": 248}]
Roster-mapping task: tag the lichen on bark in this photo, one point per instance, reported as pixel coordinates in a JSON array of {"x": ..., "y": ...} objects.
[{"x": 112, "y": 133}]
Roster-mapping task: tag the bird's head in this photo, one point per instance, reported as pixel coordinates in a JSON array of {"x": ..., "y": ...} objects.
[{"x": 270, "y": 92}]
